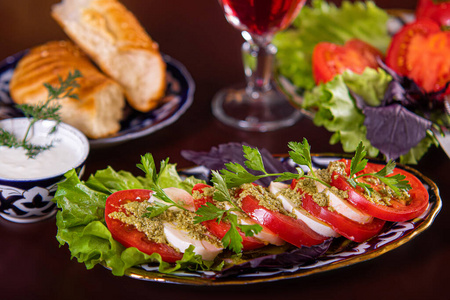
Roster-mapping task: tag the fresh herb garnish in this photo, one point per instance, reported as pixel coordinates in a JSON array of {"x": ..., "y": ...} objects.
[
  {"x": 236, "y": 175},
  {"x": 301, "y": 154},
  {"x": 358, "y": 163},
  {"x": 149, "y": 167},
  {"x": 44, "y": 111},
  {"x": 232, "y": 239}
]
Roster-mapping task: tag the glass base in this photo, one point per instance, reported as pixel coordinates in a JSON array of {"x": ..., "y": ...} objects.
[{"x": 254, "y": 112}]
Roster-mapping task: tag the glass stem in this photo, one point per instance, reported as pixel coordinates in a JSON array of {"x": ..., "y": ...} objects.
[{"x": 258, "y": 57}]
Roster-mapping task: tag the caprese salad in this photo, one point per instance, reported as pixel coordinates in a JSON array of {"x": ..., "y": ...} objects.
[{"x": 193, "y": 224}]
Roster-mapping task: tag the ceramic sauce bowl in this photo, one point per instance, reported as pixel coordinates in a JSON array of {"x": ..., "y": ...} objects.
[{"x": 27, "y": 185}]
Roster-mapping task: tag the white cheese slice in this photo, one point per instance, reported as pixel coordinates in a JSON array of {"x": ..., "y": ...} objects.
[
  {"x": 312, "y": 222},
  {"x": 343, "y": 207},
  {"x": 181, "y": 240}
]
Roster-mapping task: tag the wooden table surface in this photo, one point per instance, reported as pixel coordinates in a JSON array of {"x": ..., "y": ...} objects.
[{"x": 32, "y": 266}]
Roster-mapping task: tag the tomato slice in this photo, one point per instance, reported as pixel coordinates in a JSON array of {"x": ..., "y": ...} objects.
[
  {"x": 127, "y": 234},
  {"x": 330, "y": 59},
  {"x": 398, "y": 210},
  {"x": 396, "y": 57},
  {"x": 220, "y": 229},
  {"x": 439, "y": 12},
  {"x": 291, "y": 230},
  {"x": 358, "y": 232}
]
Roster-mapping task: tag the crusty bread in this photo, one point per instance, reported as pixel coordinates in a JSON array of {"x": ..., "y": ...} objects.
[
  {"x": 117, "y": 43},
  {"x": 99, "y": 108}
]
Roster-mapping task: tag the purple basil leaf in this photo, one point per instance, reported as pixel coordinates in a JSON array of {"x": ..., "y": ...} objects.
[
  {"x": 218, "y": 156},
  {"x": 393, "y": 129}
]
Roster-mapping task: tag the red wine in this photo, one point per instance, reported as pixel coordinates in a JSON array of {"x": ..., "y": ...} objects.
[{"x": 261, "y": 16}]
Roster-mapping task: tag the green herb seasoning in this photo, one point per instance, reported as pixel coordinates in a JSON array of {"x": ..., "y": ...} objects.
[
  {"x": 153, "y": 228},
  {"x": 264, "y": 197},
  {"x": 384, "y": 194}
]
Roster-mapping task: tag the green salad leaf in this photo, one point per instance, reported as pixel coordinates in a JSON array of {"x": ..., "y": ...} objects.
[
  {"x": 81, "y": 223},
  {"x": 325, "y": 22}
]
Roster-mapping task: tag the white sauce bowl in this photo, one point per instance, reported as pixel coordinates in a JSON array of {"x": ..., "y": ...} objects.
[{"x": 27, "y": 186}]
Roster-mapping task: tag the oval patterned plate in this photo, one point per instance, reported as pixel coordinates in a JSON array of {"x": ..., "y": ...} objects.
[
  {"x": 342, "y": 252},
  {"x": 179, "y": 96}
]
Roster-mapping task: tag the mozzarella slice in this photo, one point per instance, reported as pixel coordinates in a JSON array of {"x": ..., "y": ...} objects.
[
  {"x": 343, "y": 207},
  {"x": 312, "y": 222},
  {"x": 181, "y": 240},
  {"x": 178, "y": 195}
]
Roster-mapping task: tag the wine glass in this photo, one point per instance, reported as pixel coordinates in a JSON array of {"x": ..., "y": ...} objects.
[{"x": 260, "y": 105}]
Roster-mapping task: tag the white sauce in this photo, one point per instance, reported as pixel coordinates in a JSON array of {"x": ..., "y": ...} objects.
[
  {"x": 14, "y": 164},
  {"x": 67, "y": 152}
]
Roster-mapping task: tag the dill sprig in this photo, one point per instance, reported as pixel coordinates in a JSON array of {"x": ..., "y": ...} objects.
[{"x": 43, "y": 111}]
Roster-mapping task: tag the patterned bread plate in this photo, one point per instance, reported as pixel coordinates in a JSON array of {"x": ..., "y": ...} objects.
[{"x": 179, "y": 96}]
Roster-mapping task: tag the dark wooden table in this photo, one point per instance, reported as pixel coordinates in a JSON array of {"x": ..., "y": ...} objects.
[{"x": 32, "y": 266}]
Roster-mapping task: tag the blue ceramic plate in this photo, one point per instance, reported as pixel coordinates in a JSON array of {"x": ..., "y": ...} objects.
[
  {"x": 179, "y": 96},
  {"x": 341, "y": 253}
]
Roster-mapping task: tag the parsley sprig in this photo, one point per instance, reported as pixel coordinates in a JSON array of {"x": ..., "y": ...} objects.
[
  {"x": 232, "y": 239},
  {"x": 396, "y": 182},
  {"x": 43, "y": 111},
  {"x": 149, "y": 167},
  {"x": 235, "y": 174},
  {"x": 301, "y": 155}
]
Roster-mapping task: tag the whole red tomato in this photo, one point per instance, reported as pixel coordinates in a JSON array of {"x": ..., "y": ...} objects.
[{"x": 420, "y": 51}]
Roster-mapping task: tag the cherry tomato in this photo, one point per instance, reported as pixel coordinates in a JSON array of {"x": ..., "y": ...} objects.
[
  {"x": 439, "y": 12},
  {"x": 127, "y": 234},
  {"x": 398, "y": 210},
  {"x": 289, "y": 229},
  {"x": 329, "y": 59},
  {"x": 220, "y": 229}
]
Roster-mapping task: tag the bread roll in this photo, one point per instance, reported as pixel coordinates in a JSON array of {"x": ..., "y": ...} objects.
[
  {"x": 99, "y": 108},
  {"x": 117, "y": 43}
]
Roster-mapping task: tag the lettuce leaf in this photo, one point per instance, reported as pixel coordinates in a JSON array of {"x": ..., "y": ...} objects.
[{"x": 324, "y": 21}]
